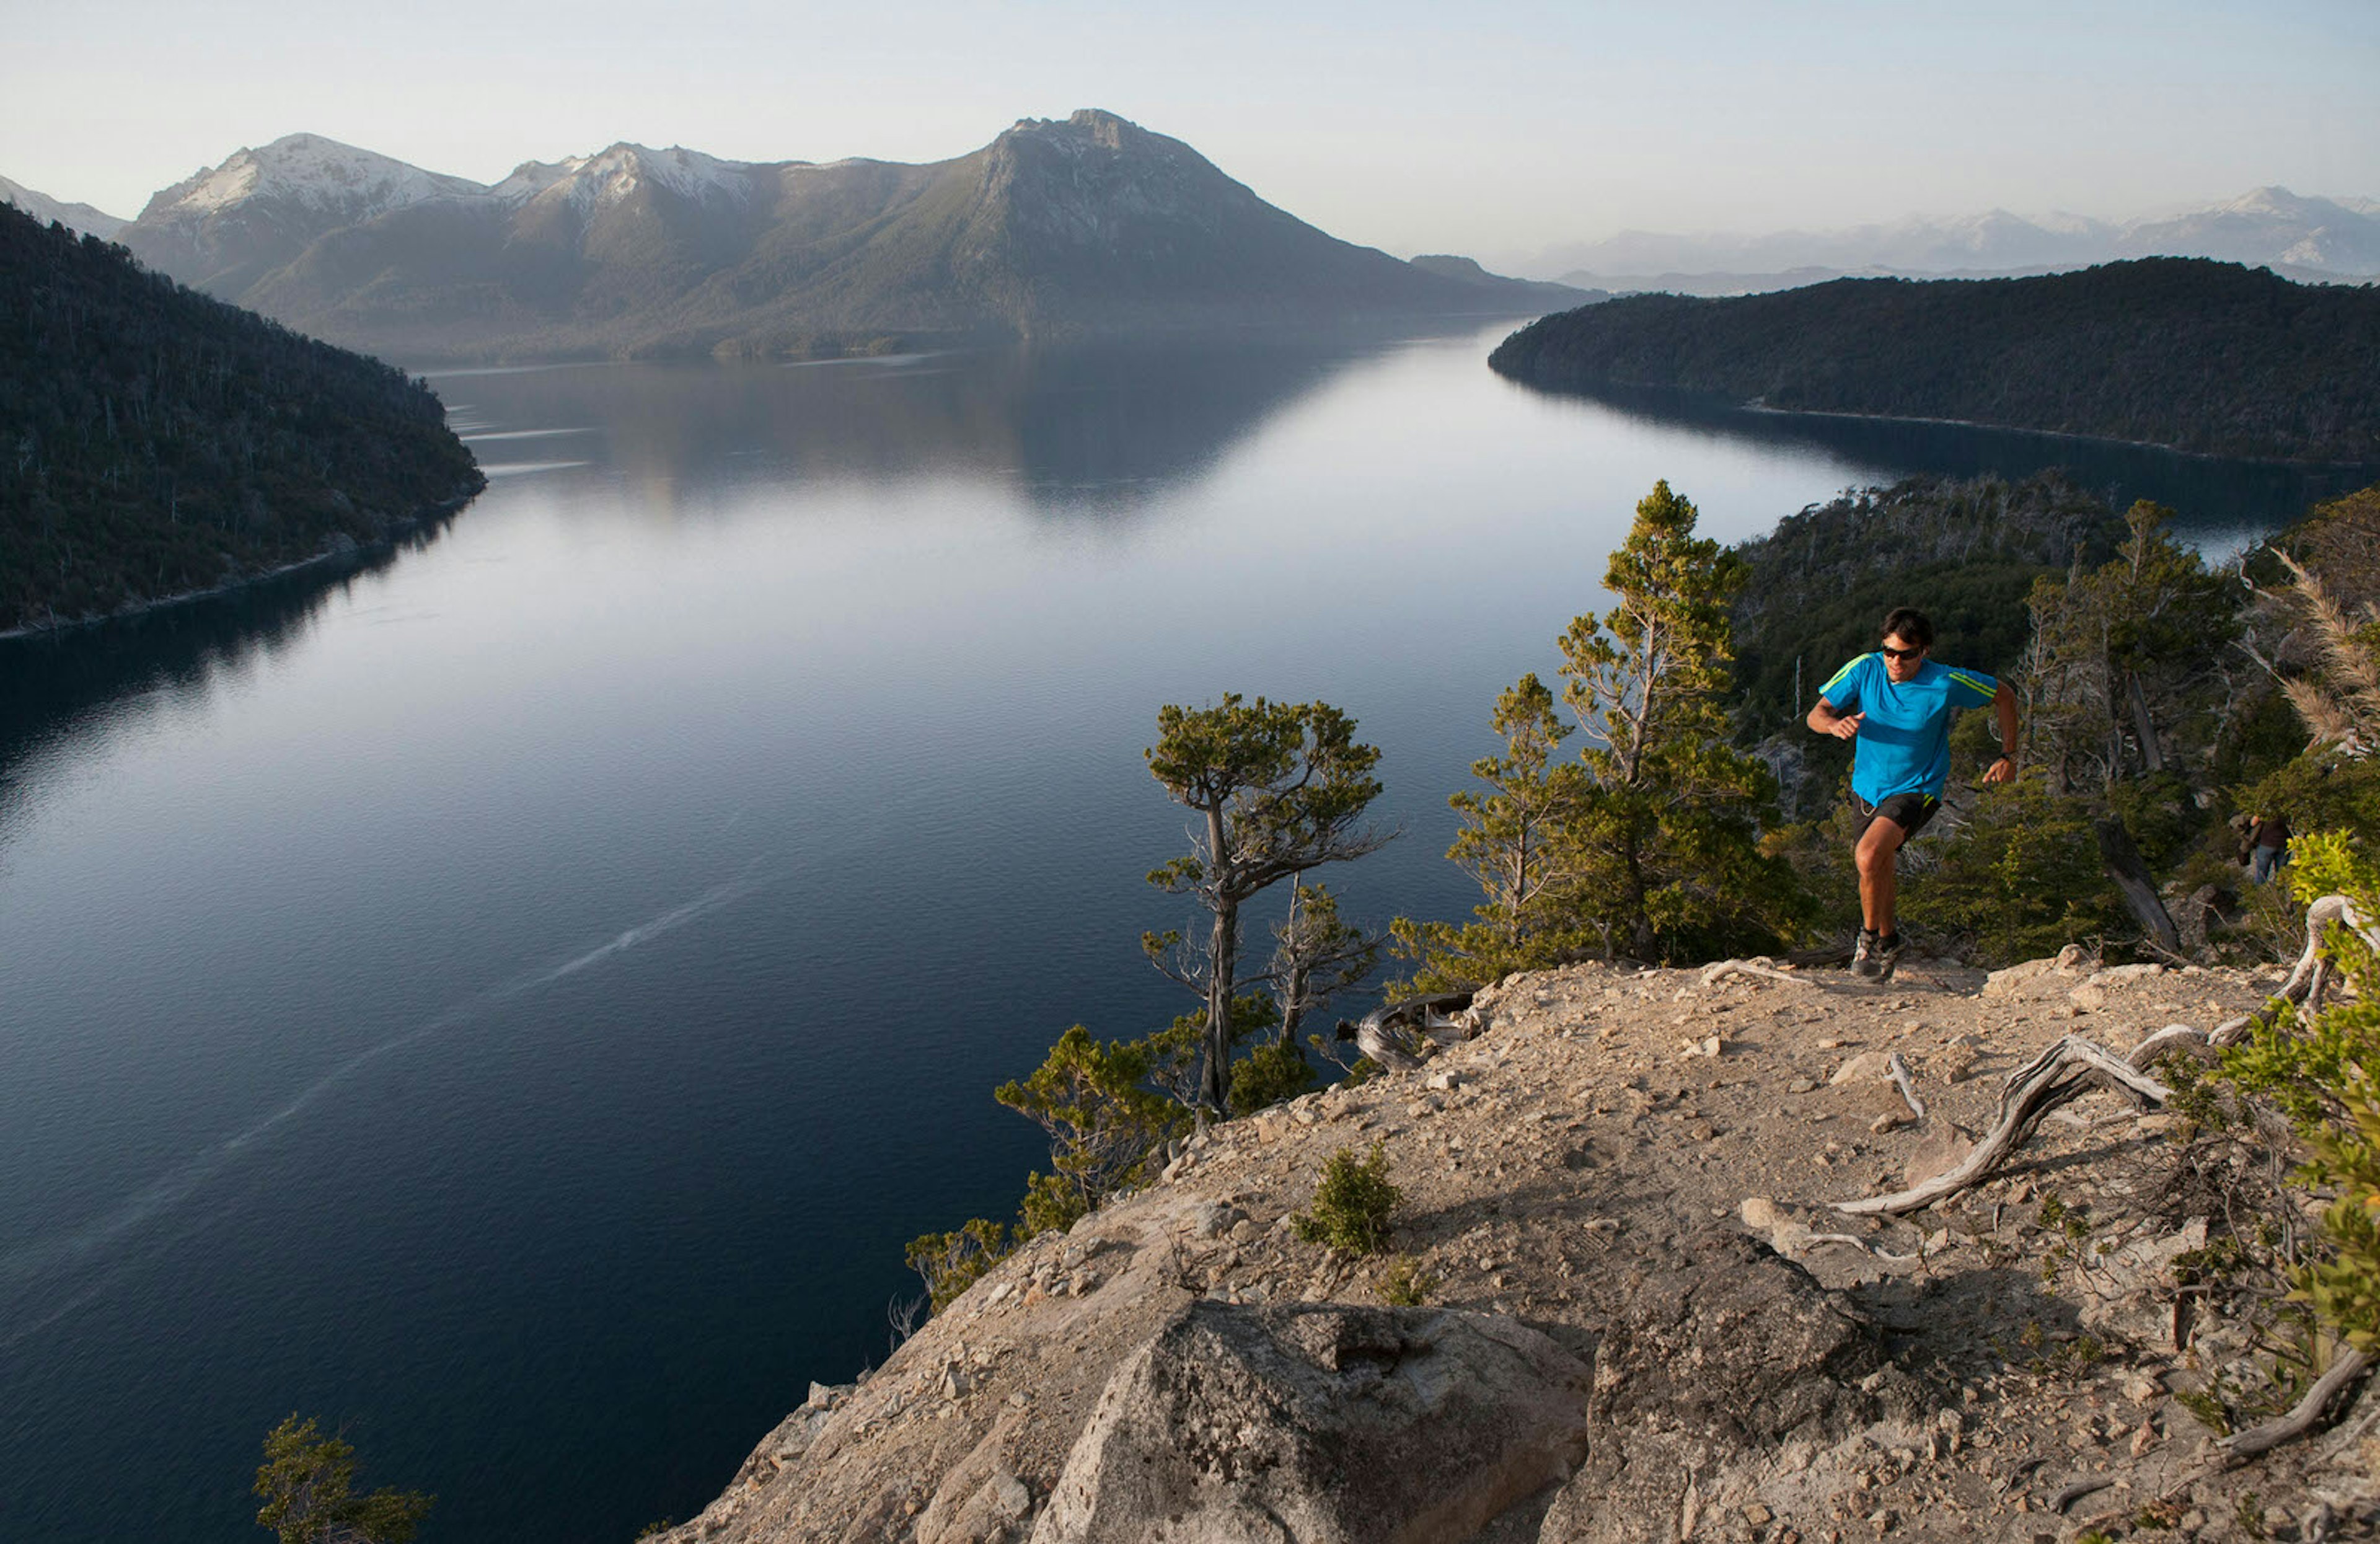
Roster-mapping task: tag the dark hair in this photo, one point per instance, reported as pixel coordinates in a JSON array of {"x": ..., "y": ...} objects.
[{"x": 1910, "y": 627}]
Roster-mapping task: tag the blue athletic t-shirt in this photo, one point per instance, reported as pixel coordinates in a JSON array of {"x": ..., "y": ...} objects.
[{"x": 1905, "y": 743}]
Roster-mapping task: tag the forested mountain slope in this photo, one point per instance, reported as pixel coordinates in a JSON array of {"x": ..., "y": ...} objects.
[
  {"x": 158, "y": 443},
  {"x": 2204, "y": 357}
]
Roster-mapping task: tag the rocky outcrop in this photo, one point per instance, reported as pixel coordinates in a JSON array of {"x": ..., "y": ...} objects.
[
  {"x": 1331, "y": 1423},
  {"x": 1644, "y": 1323}
]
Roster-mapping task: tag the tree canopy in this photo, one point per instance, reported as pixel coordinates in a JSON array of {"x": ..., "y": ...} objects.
[
  {"x": 154, "y": 441},
  {"x": 2202, "y": 356},
  {"x": 1278, "y": 789}
]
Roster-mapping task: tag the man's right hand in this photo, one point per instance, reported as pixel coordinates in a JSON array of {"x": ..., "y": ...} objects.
[{"x": 1846, "y": 727}]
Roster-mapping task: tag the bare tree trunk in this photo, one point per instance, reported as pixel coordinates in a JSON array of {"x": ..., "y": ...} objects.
[
  {"x": 2131, "y": 876},
  {"x": 1214, "y": 1084},
  {"x": 2143, "y": 727},
  {"x": 1222, "y": 959}
]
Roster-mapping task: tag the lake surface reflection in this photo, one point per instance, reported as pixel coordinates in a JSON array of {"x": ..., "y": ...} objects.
[{"x": 516, "y": 1002}]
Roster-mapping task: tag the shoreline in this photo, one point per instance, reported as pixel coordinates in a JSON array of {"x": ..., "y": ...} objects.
[
  {"x": 354, "y": 553},
  {"x": 1755, "y": 404},
  {"x": 1724, "y": 401}
]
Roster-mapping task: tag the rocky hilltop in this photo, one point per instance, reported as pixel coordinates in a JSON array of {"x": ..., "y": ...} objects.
[
  {"x": 1641, "y": 1319},
  {"x": 1088, "y": 225}
]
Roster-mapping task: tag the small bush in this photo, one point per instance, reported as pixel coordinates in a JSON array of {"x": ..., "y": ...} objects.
[
  {"x": 1269, "y": 1075},
  {"x": 1351, "y": 1203},
  {"x": 952, "y": 1262},
  {"x": 1405, "y": 1284}
]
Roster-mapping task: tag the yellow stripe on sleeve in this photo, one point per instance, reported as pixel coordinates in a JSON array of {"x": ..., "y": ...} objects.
[{"x": 1837, "y": 678}]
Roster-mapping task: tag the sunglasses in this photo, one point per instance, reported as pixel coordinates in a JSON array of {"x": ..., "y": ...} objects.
[{"x": 1889, "y": 653}]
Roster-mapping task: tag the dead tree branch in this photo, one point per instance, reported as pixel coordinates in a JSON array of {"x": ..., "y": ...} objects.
[
  {"x": 2032, "y": 1090},
  {"x": 2302, "y": 1417}
]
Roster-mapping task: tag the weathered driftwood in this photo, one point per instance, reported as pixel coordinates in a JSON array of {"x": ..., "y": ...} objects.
[
  {"x": 1908, "y": 1085},
  {"x": 2032, "y": 1090},
  {"x": 1397, "y": 1036},
  {"x": 1719, "y": 970},
  {"x": 2302, "y": 1417},
  {"x": 2173, "y": 1036},
  {"x": 2311, "y": 972}
]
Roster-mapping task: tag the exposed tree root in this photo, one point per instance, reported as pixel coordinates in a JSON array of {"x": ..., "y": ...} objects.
[{"x": 2302, "y": 1417}]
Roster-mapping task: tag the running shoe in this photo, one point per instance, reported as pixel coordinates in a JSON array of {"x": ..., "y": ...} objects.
[
  {"x": 1864, "y": 954},
  {"x": 1885, "y": 955}
]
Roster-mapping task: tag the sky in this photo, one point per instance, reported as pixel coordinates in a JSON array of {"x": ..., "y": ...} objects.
[{"x": 1496, "y": 128}]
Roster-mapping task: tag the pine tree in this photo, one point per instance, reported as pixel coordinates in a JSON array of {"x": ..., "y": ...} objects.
[
  {"x": 1665, "y": 842},
  {"x": 1511, "y": 843},
  {"x": 1279, "y": 788}
]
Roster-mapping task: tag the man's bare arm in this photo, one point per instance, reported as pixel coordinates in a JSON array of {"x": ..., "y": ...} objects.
[
  {"x": 2004, "y": 770},
  {"x": 1825, "y": 720}
]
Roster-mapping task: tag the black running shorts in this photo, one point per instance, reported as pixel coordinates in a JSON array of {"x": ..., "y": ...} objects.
[{"x": 1909, "y": 811}]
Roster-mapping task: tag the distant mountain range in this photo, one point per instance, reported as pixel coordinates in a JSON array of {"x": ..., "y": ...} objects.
[
  {"x": 2305, "y": 238},
  {"x": 1092, "y": 226}
]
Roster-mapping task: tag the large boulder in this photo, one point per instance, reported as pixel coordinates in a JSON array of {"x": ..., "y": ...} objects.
[{"x": 1321, "y": 1423}]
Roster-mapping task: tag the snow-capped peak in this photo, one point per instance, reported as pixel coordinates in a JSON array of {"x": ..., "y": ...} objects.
[
  {"x": 316, "y": 173},
  {"x": 74, "y": 216},
  {"x": 612, "y": 175}
]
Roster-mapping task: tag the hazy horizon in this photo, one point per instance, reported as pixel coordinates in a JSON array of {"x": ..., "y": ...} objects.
[{"x": 1501, "y": 133}]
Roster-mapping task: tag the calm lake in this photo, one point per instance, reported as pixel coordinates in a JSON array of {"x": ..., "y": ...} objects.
[{"x": 516, "y": 1002}]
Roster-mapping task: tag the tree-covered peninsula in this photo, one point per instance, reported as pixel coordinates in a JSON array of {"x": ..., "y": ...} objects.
[
  {"x": 154, "y": 443},
  {"x": 2203, "y": 357}
]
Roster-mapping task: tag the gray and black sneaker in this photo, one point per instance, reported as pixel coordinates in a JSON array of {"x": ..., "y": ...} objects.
[
  {"x": 1885, "y": 955},
  {"x": 1864, "y": 954}
]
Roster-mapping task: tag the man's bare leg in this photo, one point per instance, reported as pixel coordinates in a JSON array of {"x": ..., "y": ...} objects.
[{"x": 1879, "y": 880}]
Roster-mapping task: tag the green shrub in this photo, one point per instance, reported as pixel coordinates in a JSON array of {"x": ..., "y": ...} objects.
[
  {"x": 952, "y": 1262},
  {"x": 1351, "y": 1203},
  {"x": 307, "y": 1482},
  {"x": 1269, "y": 1075},
  {"x": 1405, "y": 1283}
]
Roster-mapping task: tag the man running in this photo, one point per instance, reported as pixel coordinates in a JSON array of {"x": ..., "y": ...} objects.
[{"x": 1896, "y": 705}]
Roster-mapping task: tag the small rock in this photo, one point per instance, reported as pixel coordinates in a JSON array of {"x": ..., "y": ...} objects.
[
  {"x": 1759, "y": 1213},
  {"x": 1800, "y": 1085},
  {"x": 2143, "y": 1440},
  {"x": 2090, "y": 997},
  {"x": 955, "y": 1382},
  {"x": 1447, "y": 1081},
  {"x": 1757, "y": 1514},
  {"x": 2142, "y": 1388},
  {"x": 2072, "y": 957},
  {"x": 1865, "y": 1066},
  {"x": 1891, "y": 1120}
]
